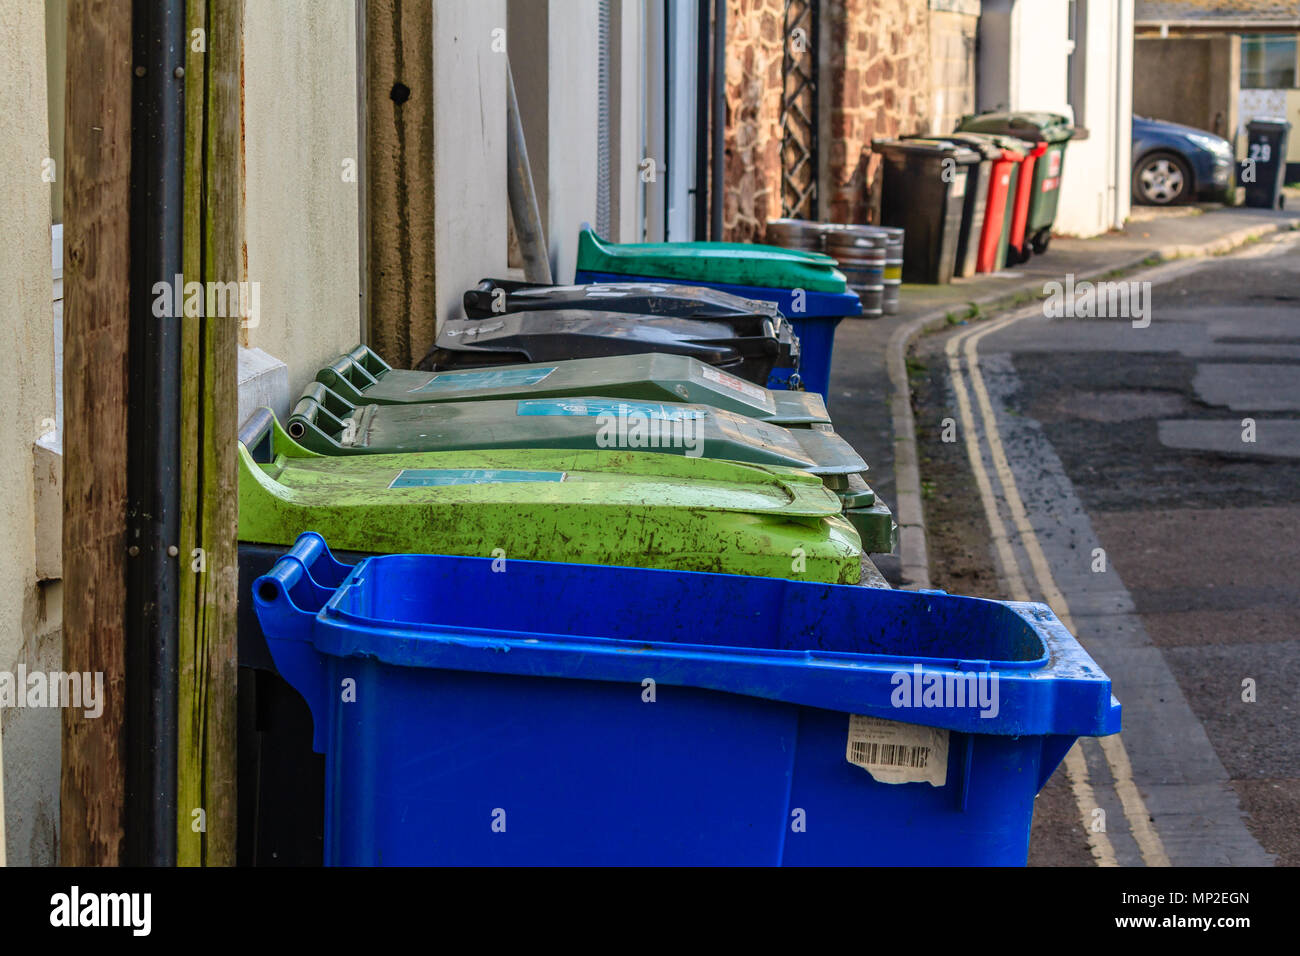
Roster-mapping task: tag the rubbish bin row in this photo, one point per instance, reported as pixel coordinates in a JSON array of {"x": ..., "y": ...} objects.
[
  {"x": 586, "y": 544},
  {"x": 976, "y": 200}
]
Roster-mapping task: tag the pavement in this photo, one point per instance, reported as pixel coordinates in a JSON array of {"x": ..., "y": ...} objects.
[{"x": 872, "y": 409}]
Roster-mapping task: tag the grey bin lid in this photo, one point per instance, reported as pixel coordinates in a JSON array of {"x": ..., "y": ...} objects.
[{"x": 927, "y": 148}]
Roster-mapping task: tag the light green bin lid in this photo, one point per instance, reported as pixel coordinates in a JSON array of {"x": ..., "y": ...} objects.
[{"x": 588, "y": 507}]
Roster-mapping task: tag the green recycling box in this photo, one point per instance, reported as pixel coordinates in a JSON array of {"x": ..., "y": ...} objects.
[
  {"x": 644, "y": 509},
  {"x": 325, "y": 422},
  {"x": 363, "y": 378}
]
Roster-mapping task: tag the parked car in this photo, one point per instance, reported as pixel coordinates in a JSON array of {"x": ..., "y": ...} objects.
[{"x": 1175, "y": 164}]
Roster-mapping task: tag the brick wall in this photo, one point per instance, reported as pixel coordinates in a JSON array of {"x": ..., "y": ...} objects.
[{"x": 876, "y": 72}]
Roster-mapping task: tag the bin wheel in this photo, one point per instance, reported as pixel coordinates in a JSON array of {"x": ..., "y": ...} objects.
[
  {"x": 1017, "y": 256},
  {"x": 1041, "y": 241}
]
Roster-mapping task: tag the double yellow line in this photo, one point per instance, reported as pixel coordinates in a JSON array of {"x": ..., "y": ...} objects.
[{"x": 1076, "y": 767}]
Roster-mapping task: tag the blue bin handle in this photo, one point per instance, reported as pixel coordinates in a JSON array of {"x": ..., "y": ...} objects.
[
  {"x": 298, "y": 585},
  {"x": 287, "y": 599}
]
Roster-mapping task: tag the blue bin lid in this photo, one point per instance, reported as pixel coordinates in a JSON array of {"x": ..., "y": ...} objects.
[{"x": 897, "y": 655}]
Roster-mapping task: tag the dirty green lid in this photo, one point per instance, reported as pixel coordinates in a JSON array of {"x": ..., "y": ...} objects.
[
  {"x": 324, "y": 422},
  {"x": 1034, "y": 127},
  {"x": 727, "y": 263},
  {"x": 588, "y": 507}
]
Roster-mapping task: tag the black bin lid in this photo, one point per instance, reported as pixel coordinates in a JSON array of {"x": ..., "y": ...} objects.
[
  {"x": 925, "y": 148},
  {"x": 556, "y": 334}
]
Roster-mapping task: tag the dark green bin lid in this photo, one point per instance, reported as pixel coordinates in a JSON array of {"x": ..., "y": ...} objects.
[
  {"x": 1030, "y": 126},
  {"x": 363, "y": 378}
]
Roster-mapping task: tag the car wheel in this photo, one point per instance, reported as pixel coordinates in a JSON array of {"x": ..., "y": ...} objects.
[{"x": 1161, "y": 179}]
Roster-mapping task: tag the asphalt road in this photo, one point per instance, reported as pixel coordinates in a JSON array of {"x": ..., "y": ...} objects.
[{"x": 1153, "y": 493}]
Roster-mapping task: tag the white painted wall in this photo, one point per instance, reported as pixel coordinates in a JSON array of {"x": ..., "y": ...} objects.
[
  {"x": 572, "y": 36},
  {"x": 1096, "y": 184},
  {"x": 469, "y": 148},
  {"x": 557, "y": 85},
  {"x": 1040, "y": 45},
  {"x": 628, "y": 64},
  {"x": 300, "y": 115},
  {"x": 1023, "y": 65}
]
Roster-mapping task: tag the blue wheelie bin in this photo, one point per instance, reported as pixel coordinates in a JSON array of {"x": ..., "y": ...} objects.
[
  {"x": 806, "y": 286},
  {"x": 472, "y": 712}
]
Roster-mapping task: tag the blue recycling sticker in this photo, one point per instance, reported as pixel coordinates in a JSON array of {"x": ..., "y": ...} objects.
[
  {"x": 435, "y": 477},
  {"x": 606, "y": 406},
  {"x": 487, "y": 378}
]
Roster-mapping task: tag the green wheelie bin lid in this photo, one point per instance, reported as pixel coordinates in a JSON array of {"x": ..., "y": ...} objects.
[
  {"x": 725, "y": 263},
  {"x": 324, "y": 422},
  {"x": 1032, "y": 126},
  {"x": 362, "y": 378},
  {"x": 643, "y": 509}
]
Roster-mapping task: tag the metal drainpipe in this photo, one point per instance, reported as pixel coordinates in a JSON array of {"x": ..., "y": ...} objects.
[
  {"x": 157, "y": 212},
  {"x": 719, "y": 113},
  {"x": 522, "y": 194},
  {"x": 702, "y": 96}
]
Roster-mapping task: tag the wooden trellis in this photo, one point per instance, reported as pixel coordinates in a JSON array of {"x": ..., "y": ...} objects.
[{"x": 799, "y": 111}]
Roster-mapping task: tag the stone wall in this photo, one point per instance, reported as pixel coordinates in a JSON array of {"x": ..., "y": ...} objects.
[
  {"x": 876, "y": 78},
  {"x": 755, "y": 34},
  {"x": 880, "y": 86}
]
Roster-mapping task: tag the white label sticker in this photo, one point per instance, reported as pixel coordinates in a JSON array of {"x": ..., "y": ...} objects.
[
  {"x": 748, "y": 389},
  {"x": 898, "y": 753}
]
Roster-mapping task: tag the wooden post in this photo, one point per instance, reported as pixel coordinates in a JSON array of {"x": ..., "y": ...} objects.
[
  {"x": 401, "y": 311},
  {"x": 214, "y": 253},
  {"x": 96, "y": 322}
]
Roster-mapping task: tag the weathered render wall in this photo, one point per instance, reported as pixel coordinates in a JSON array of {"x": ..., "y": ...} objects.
[
  {"x": 953, "y": 26},
  {"x": 30, "y": 610},
  {"x": 300, "y": 126},
  {"x": 1191, "y": 80},
  {"x": 469, "y": 148}
]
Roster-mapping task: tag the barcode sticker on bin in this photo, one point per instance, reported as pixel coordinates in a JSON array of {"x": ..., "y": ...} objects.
[{"x": 898, "y": 753}]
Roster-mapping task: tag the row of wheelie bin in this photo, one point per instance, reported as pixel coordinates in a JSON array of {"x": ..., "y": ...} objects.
[
  {"x": 976, "y": 200},
  {"x": 583, "y": 589}
]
